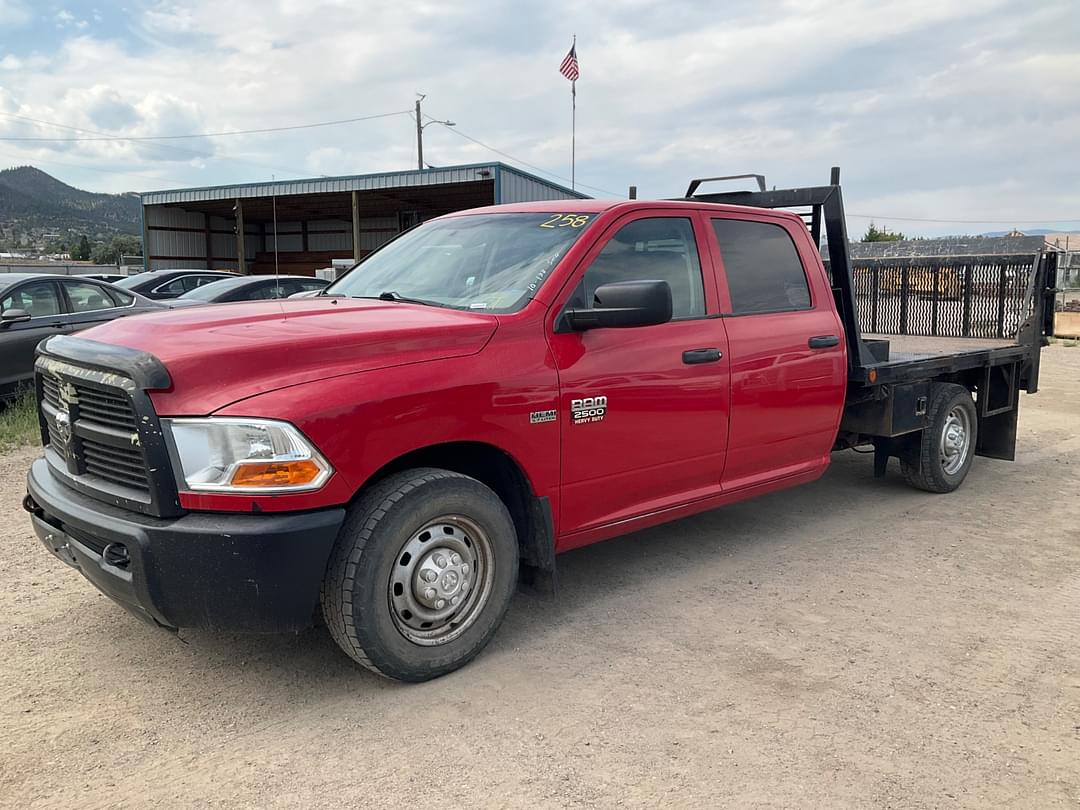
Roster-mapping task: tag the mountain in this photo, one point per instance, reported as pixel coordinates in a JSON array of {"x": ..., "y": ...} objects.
[{"x": 32, "y": 201}]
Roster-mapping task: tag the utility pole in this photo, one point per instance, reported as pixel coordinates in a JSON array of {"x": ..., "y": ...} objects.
[
  {"x": 420, "y": 131},
  {"x": 419, "y": 135}
]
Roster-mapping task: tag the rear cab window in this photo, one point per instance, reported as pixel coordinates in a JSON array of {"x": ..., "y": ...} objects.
[{"x": 762, "y": 267}]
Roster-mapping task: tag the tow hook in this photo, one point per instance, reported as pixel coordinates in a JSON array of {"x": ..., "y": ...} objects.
[
  {"x": 29, "y": 505},
  {"x": 116, "y": 555}
]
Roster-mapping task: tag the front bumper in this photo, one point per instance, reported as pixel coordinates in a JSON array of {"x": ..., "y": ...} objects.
[{"x": 242, "y": 572}]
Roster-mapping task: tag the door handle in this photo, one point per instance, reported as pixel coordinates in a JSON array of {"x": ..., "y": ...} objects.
[
  {"x": 694, "y": 356},
  {"x": 823, "y": 342}
]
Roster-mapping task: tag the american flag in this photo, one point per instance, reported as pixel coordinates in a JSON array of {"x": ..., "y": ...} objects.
[{"x": 569, "y": 66}]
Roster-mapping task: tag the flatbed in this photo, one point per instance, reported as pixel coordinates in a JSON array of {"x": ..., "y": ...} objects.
[{"x": 890, "y": 376}]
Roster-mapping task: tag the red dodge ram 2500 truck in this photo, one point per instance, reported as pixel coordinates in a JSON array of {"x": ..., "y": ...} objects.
[{"x": 485, "y": 391}]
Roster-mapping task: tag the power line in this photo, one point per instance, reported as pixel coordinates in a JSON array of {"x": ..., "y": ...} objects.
[
  {"x": 490, "y": 148},
  {"x": 1032, "y": 221},
  {"x": 49, "y": 162},
  {"x": 194, "y": 135},
  {"x": 171, "y": 148}
]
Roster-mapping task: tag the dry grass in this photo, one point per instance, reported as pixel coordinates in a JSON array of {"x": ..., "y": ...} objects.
[{"x": 18, "y": 423}]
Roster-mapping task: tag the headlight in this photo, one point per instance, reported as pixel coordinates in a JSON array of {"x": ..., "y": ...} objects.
[{"x": 246, "y": 455}]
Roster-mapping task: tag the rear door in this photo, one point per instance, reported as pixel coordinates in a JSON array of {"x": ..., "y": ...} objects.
[
  {"x": 41, "y": 299},
  {"x": 88, "y": 303},
  {"x": 643, "y": 411},
  {"x": 785, "y": 343}
]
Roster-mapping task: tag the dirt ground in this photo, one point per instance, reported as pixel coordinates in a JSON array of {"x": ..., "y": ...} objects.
[{"x": 853, "y": 643}]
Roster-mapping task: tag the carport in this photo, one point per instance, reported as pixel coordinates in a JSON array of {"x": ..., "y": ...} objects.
[{"x": 312, "y": 222}]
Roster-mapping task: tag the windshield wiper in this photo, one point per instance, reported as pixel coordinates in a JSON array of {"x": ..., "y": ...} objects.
[{"x": 393, "y": 295}]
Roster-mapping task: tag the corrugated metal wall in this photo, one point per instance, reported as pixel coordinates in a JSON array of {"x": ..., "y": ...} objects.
[
  {"x": 515, "y": 187},
  {"x": 327, "y": 234},
  {"x": 177, "y": 238}
]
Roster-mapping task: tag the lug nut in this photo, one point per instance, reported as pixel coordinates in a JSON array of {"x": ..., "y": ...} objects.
[
  {"x": 465, "y": 586},
  {"x": 465, "y": 568},
  {"x": 428, "y": 575},
  {"x": 455, "y": 559},
  {"x": 455, "y": 600},
  {"x": 440, "y": 604},
  {"x": 429, "y": 593},
  {"x": 440, "y": 560}
]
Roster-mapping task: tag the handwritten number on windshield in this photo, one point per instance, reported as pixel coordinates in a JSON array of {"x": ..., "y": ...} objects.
[{"x": 565, "y": 221}]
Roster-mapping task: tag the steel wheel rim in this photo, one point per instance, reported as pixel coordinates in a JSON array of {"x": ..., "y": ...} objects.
[
  {"x": 441, "y": 580},
  {"x": 955, "y": 440}
]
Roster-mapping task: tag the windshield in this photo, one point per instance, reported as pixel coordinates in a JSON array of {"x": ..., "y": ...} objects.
[{"x": 488, "y": 262}]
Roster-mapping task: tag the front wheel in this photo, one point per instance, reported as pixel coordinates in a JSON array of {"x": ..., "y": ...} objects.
[
  {"x": 422, "y": 574},
  {"x": 946, "y": 446}
]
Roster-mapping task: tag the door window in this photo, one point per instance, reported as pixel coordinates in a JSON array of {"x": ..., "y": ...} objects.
[
  {"x": 174, "y": 287},
  {"x": 654, "y": 249},
  {"x": 194, "y": 282},
  {"x": 183, "y": 284},
  {"x": 87, "y": 297},
  {"x": 261, "y": 292},
  {"x": 763, "y": 270},
  {"x": 39, "y": 299}
]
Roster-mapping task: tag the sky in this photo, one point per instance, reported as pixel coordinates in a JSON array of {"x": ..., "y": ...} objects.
[{"x": 946, "y": 116}]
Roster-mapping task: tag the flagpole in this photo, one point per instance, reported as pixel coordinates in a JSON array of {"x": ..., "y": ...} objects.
[{"x": 573, "y": 124}]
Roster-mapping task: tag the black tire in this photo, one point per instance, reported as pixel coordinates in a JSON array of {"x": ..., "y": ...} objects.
[
  {"x": 924, "y": 468},
  {"x": 358, "y": 591}
]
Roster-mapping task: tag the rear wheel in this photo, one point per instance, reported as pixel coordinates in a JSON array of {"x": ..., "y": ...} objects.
[
  {"x": 946, "y": 446},
  {"x": 422, "y": 574}
]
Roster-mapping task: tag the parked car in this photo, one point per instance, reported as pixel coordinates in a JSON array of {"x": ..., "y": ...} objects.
[
  {"x": 250, "y": 288},
  {"x": 111, "y": 278},
  {"x": 485, "y": 391},
  {"x": 34, "y": 306},
  {"x": 165, "y": 284}
]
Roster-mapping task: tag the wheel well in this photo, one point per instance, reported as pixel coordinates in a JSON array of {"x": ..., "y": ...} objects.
[{"x": 495, "y": 469}]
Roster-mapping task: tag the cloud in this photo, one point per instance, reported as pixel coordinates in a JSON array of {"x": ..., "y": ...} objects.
[
  {"x": 107, "y": 109},
  {"x": 14, "y": 13},
  {"x": 65, "y": 19},
  {"x": 926, "y": 104}
]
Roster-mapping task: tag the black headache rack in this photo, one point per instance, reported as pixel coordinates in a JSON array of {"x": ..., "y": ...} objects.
[{"x": 888, "y": 391}]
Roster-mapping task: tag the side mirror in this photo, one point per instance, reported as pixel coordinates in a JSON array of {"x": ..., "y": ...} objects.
[
  {"x": 10, "y": 316},
  {"x": 623, "y": 304}
]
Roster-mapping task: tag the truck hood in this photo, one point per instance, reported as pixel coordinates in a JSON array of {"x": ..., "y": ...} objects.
[{"x": 219, "y": 354}]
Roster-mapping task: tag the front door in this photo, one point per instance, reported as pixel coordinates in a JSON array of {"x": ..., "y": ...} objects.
[
  {"x": 644, "y": 410},
  {"x": 41, "y": 299}
]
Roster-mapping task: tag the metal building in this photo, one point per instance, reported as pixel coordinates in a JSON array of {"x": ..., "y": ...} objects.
[{"x": 315, "y": 221}]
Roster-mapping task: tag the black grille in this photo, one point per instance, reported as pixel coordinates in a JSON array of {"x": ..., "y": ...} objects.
[
  {"x": 50, "y": 388},
  {"x": 98, "y": 405},
  {"x": 102, "y": 435},
  {"x": 102, "y": 446},
  {"x": 105, "y": 408},
  {"x": 119, "y": 465}
]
